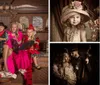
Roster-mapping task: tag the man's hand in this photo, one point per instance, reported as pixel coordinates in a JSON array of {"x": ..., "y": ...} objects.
[{"x": 87, "y": 60}]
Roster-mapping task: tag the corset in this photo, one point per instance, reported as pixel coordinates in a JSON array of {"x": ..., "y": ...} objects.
[{"x": 15, "y": 45}]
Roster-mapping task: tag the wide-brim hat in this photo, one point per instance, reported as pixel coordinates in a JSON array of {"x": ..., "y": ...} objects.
[
  {"x": 65, "y": 52},
  {"x": 74, "y": 49},
  {"x": 71, "y": 10}
]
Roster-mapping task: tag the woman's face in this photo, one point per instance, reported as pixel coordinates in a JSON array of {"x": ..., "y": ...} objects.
[
  {"x": 14, "y": 27},
  {"x": 29, "y": 32},
  {"x": 75, "y": 19},
  {"x": 1, "y": 28},
  {"x": 66, "y": 57}
]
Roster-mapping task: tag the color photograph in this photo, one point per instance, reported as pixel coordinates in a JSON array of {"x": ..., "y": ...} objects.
[{"x": 23, "y": 42}]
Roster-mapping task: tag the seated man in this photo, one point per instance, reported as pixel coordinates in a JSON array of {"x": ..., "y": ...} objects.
[{"x": 3, "y": 37}]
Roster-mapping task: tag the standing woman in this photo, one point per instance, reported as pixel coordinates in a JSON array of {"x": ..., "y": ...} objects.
[{"x": 65, "y": 70}]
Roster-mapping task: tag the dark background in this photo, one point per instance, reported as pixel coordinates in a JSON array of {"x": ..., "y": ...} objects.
[{"x": 57, "y": 49}]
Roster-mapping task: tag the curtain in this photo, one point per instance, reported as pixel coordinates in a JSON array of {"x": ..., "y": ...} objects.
[{"x": 56, "y": 7}]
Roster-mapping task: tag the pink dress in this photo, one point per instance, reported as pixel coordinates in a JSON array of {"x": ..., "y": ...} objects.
[
  {"x": 34, "y": 48},
  {"x": 19, "y": 59}
]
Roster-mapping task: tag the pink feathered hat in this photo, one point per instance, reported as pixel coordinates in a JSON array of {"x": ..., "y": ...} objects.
[{"x": 72, "y": 9}]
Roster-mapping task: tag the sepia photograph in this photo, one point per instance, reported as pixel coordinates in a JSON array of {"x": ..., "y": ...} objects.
[
  {"x": 74, "y": 21},
  {"x": 74, "y": 64}
]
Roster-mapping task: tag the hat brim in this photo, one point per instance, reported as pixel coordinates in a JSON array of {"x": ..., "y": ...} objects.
[
  {"x": 1, "y": 24},
  {"x": 65, "y": 16},
  {"x": 74, "y": 49}
]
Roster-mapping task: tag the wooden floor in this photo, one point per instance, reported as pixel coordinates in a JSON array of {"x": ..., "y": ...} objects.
[{"x": 40, "y": 77}]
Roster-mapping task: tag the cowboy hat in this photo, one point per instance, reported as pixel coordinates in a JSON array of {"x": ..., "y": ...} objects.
[{"x": 2, "y": 24}]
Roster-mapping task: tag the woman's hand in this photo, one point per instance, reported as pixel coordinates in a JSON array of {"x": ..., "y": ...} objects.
[{"x": 19, "y": 42}]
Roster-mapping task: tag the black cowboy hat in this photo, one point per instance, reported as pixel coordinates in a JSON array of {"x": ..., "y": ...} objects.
[
  {"x": 2, "y": 24},
  {"x": 74, "y": 49}
]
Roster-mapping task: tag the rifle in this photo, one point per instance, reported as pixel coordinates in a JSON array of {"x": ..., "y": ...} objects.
[{"x": 88, "y": 52}]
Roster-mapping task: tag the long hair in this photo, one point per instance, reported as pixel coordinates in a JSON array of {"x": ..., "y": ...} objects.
[
  {"x": 33, "y": 35},
  {"x": 81, "y": 25}
]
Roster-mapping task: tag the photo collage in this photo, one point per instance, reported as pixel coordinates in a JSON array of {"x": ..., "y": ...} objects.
[{"x": 49, "y": 42}]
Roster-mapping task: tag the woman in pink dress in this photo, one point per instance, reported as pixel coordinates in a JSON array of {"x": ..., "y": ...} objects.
[{"x": 14, "y": 59}]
